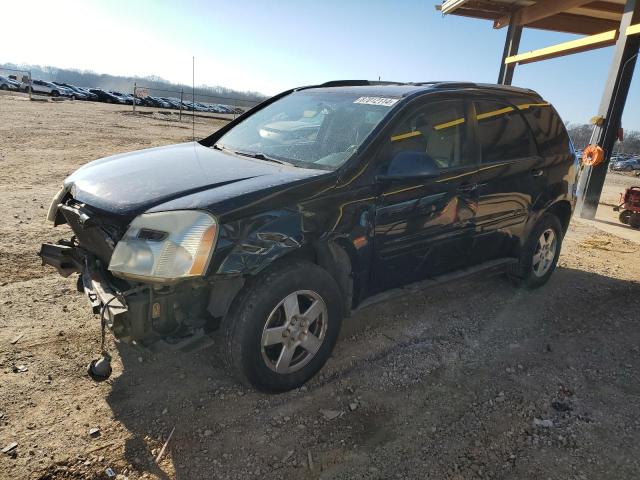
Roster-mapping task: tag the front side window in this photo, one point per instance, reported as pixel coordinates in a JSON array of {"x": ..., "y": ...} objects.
[
  {"x": 438, "y": 129},
  {"x": 310, "y": 128},
  {"x": 502, "y": 132}
]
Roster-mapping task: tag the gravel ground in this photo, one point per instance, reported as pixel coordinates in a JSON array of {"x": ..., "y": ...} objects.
[{"x": 472, "y": 380}]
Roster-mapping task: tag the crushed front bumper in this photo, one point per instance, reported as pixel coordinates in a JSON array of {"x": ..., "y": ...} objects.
[
  {"x": 136, "y": 313},
  {"x": 68, "y": 259}
]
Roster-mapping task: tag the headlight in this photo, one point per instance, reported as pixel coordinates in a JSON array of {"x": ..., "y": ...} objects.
[
  {"x": 166, "y": 246},
  {"x": 53, "y": 208}
]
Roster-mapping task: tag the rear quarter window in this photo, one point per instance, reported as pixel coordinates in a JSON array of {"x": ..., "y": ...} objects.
[
  {"x": 546, "y": 125},
  {"x": 502, "y": 132}
]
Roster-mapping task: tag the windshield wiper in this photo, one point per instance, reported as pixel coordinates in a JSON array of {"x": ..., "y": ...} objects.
[
  {"x": 256, "y": 155},
  {"x": 262, "y": 156}
]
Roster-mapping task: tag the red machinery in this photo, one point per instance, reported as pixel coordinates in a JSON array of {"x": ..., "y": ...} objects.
[{"x": 629, "y": 207}]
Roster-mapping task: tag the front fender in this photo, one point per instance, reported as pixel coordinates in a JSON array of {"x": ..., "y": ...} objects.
[{"x": 248, "y": 246}]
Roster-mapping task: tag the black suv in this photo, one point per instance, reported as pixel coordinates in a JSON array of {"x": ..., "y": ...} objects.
[{"x": 311, "y": 205}]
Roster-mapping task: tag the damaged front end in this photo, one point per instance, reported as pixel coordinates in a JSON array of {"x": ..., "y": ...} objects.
[{"x": 156, "y": 312}]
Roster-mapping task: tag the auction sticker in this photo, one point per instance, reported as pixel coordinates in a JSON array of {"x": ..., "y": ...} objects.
[{"x": 385, "y": 102}]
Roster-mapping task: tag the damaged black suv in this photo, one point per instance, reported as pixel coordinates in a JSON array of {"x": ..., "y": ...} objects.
[{"x": 308, "y": 206}]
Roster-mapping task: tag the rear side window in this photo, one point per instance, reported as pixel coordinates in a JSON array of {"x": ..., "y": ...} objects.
[
  {"x": 547, "y": 128},
  {"x": 502, "y": 132}
]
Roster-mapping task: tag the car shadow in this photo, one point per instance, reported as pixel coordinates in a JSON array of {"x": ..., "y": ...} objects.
[{"x": 223, "y": 427}]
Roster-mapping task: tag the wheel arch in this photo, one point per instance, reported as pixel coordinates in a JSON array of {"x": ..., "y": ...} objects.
[{"x": 561, "y": 209}]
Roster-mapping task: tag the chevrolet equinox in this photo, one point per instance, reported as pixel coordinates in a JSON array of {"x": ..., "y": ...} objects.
[{"x": 318, "y": 201}]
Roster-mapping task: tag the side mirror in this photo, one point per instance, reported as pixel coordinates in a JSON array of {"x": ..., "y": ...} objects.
[{"x": 410, "y": 165}]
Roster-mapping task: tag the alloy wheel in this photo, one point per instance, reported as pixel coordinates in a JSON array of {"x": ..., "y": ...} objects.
[
  {"x": 294, "y": 331},
  {"x": 545, "y": 252}
]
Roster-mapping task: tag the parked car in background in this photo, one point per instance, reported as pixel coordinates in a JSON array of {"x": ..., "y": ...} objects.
[
  {"x": 78, "y": 93},
  {"x": 625, "y": 165},
  {"x": 131, "y": 99},
  {"x": 92, "y": 96},
  {"x": 121, "y": 97},
  {"x": 9, "y": 84},
  {"x": 195, "y": 106},
  {"x": 47, "y": 88},
  {"x": 104, "y": 96},
  {"x": 157, "y": 102},
  {"x": 72, "y": 92},
  {"x": 325, "y": 199},
  {"x": 174, "y": 102}
]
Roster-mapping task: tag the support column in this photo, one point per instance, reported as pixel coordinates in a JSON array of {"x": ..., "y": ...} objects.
[
  {"x": 511, "y": 45},
  {"x": 611, "y": 108}
]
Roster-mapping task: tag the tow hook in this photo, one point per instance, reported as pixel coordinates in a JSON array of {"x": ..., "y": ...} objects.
[{"x": 100, "y": 369}]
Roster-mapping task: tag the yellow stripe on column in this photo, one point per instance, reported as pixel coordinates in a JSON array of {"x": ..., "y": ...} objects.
[
  {"x": 452, "y": 123},
  {"x": 494, "y": 113},
  {"x": 633, "y": 29},
  {"x": 405, "y": 135}
]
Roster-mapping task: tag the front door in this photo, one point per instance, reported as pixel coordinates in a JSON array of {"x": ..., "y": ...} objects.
[{"x": 424, "y": 228}]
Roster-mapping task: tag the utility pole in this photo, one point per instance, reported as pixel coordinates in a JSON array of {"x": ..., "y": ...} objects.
[
  {"x": 609, "y": 116},
  {"x": 193, "y": 96}
]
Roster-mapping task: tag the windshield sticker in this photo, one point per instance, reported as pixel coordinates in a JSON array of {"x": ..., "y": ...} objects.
[{"x": 385, "y": 102}]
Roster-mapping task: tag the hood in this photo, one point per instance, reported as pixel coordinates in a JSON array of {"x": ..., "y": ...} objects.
[{"x": 131, "y": 183}]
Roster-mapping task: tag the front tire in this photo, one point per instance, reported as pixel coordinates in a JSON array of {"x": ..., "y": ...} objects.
[
  {"x": 540, "y": 253},
  {"x": 283, "y": 325}
]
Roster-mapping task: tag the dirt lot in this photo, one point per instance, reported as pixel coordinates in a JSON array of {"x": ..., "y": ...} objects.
[{"x": 476, "y": 380}]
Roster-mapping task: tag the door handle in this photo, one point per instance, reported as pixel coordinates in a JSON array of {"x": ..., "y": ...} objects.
[
  {"x": 537, "y": 172},
  {"x": 467, "y": 187}
]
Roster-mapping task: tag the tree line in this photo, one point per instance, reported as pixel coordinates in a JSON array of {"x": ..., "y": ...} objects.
[
  {"x": 581, "y": 134},
  {"x": 157, "y": 85}
]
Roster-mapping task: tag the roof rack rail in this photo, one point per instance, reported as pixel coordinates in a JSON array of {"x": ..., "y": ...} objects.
[
  {"x": 356, "y": 83},
  {"x": 507, "y": 87},
  {"x": 453, "y": 84}
]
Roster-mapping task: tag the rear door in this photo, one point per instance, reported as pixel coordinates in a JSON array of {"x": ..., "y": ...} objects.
[
  {"x": 424, "y": 227},
  {"x": 511, "y": 177}
]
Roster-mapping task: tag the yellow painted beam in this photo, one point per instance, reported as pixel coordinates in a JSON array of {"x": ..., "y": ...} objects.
[
  {"x": 591, "y": 42},
  {"x": 633, "y": 29}
]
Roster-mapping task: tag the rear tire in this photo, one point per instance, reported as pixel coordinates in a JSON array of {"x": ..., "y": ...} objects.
[
  {"x": 539, "y": 254},
  {"x": 4, "y": 87},
  {"x": 624, "y": 217},
  {"x": 55, "y": 93},
  {"x": 634, "y": 220},
  {"x": 283, "y": 325}
]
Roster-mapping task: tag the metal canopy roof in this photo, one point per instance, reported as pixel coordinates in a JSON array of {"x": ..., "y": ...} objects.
[
  {"x": 604, "y": 22},
  {"x": 572, "y": 16}
]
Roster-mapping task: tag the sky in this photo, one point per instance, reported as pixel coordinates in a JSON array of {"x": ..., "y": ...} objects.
[{"x": 269, "y": 46}]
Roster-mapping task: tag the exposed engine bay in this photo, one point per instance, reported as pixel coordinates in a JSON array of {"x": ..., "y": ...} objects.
[{"x": 137, "y": 313}]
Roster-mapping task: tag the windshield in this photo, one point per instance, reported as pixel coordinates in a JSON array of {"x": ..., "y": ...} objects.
[{"x": 310, "y": 128}]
